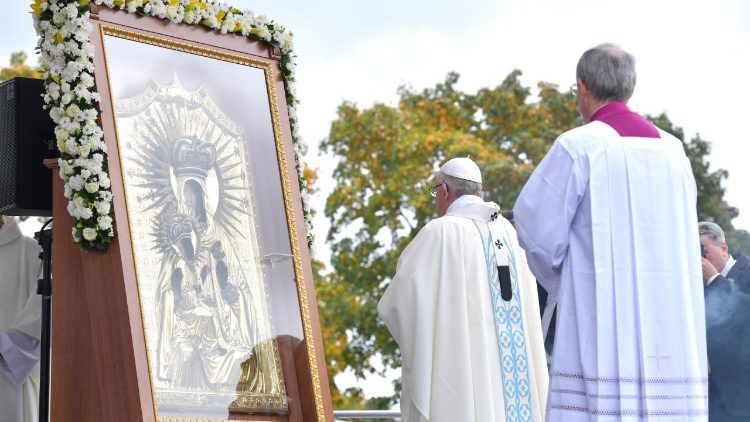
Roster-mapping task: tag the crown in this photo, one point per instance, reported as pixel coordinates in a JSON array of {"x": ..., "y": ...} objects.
[
  {"x": 192, "y": 157},
  {"x": 180, "y": 228}
]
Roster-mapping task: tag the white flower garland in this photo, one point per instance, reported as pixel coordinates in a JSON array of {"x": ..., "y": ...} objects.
[{"x": 71, "y": 96}]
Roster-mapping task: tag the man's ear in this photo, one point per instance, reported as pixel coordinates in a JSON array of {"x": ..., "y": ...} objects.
[{"x": 582, "y": 88}]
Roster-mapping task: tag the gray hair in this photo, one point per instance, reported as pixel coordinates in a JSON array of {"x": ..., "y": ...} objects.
[
  {"x": 461, "y": 187},
  {"x": 608, "y": 72},
  {"x": 712, "y": 231}
]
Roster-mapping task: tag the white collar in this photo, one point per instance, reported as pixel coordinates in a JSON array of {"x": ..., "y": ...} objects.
[
  {"x": 472, "y": 207},
  {"x": 9, "y": 232},
  {"x": 728, "y": 266}
]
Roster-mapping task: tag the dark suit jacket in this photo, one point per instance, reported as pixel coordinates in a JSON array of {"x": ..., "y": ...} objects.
[{"x": 728, "y": 339}]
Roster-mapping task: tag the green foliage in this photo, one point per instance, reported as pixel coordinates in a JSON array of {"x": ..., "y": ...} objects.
[
  {"x": 18, "y": 67},
  {"x": 387, "y": 158},
  {"x": 711, "y": 203},
  {"x": 739, "y": 241}
]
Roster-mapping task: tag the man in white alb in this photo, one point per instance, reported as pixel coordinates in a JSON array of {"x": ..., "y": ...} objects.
[
  {"x": 20, "y": 319},
  {"x": 609, "y": 224},
  {"x": 463, "y": 309}
]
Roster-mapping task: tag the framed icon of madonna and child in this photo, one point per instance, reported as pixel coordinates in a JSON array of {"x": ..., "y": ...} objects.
[{"x": 201, "y": 146}]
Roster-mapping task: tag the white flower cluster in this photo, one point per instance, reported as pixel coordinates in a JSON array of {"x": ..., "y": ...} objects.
[
  {"x": 71, "y": 95},
  {"x": 219, "y": 16},
  {"x": 66, "y": 57}
]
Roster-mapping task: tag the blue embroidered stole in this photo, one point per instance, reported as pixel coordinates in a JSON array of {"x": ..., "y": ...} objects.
[{"x": 511, "y": 336}]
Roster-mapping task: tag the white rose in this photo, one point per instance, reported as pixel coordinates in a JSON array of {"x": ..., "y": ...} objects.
[
  {"x": 56, "y": 114},
  {"x": 72, "y": 110},
  {"x": 92, "y": 187},
  {"x": 89, "y": 233},
  {"x": 84, "y": 150},
  {"x": 58, "y": 18},
  {"x": 76, "y": 238},
  {"x": 61, "y": 135}
]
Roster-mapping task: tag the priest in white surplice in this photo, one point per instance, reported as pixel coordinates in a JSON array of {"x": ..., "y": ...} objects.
[
  {"x": 20, "y": 317},
  {"x": 463, "y": 309},
  {"x": 609, "y": 224}
]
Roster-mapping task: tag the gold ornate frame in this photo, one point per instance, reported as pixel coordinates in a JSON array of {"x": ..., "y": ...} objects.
[{"x": 270, "y": 75}]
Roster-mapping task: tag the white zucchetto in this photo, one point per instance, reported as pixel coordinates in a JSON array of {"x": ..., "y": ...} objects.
[{"x": 462, "y": 168}]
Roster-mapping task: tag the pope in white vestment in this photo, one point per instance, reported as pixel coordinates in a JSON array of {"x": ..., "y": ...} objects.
[
  {"x": 20, "y": 325},
  {"x": 609, "y": 224},
  {"x": 471, "y": 349}
]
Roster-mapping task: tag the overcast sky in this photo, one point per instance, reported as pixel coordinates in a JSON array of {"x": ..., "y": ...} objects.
[{"x": 693, "y": 59}]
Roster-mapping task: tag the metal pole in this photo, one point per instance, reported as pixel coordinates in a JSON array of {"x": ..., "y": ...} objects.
[
  {"x": 44, "y": 288},
  {"x": 366, "y": 414}
]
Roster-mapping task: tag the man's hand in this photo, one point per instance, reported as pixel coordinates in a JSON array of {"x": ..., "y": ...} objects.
[{"x": 708, "y": 270}]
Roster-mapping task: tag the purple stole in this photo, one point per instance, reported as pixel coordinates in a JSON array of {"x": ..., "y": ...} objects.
[{"x": 618, "y": 116}]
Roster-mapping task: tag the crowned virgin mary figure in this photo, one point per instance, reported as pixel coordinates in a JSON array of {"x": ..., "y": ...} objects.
[{"x": 207, "y": 328}]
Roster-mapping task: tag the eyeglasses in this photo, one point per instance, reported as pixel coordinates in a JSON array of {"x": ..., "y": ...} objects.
[
  {"x": 574, "y": 89},
  {"x": 433, "y": 190}
]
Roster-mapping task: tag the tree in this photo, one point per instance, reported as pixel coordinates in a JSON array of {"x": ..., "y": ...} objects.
[
  {"x": 18, "y": 67},
  {"x": 387, "y": 158},
  {"x": 711, "y": 203}
]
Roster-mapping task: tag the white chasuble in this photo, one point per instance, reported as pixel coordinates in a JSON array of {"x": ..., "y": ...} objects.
[
  {"x": 20, "y": 325},
  {"x": 610, "y": 229},
  {"x": 470, "y": 352}
]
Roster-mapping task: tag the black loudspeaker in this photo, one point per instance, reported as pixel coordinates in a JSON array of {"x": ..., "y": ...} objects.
[{"x": 26, "y": 138}]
